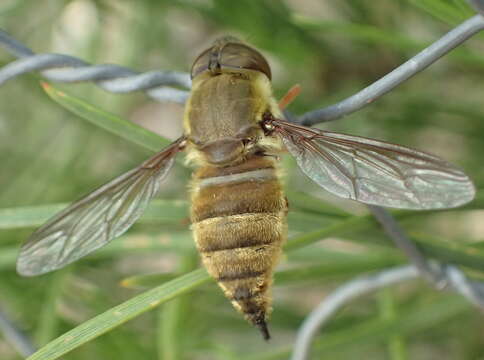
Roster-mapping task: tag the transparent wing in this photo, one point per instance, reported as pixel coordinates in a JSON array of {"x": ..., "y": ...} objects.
[
  {"x": 375, "y": 172},
  {"x": 96, "y": 219}
]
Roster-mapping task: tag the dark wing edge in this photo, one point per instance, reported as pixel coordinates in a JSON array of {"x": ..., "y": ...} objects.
[
  {"x": 96, "y": 219},
  {"x": 375, "y": 172}
]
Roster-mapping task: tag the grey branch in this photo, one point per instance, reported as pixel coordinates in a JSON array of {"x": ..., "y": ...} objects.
[
  {"x": 117, "y": 79},
  {"x": 15, "y": 337},
  {"x": 402, "y": 73},
  {"x": 341, "y": 296},
  {"x": 362, "y": 285},
  {"x": 478, "y": 5},
  {"x": 391, "y": 227},
  {"x": 441, "y": 276},
  {"x": 112, "y": 78}
]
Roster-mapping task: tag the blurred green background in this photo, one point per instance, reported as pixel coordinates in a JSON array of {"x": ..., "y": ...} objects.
[{"x": 333, "y": 49}]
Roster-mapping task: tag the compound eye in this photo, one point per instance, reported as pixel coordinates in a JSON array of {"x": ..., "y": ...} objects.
[
  {"x": 240, "y": 56},
  {"x": 201, "y": 63},
  {"x": 230, "y": 55}
]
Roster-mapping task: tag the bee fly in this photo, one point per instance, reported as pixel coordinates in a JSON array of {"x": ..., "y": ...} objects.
[{"x": 232, "y": 126}]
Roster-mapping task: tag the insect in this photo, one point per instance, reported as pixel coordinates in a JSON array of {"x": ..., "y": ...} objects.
[{"x": 233, "y": 128}]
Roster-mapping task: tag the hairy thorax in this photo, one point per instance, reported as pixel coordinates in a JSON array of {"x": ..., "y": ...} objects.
[{"x": 222, "y": 117}]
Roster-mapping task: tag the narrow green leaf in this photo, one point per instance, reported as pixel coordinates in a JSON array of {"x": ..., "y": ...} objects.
[
  {"x": 353, "y": 223},
  {"x": 28, "y": 216},
  {"x": 352, "y": 265},
  {"x": 445, "y": 251},
  {"x": 459, "y": 254},
  {"x": 311, "y": 204},
  {"x": 110, "y": 122},
  {"x": 146, "y": 281},
  {"x": 370, "y": 34},
  {"x": 344, "y": 266},
  {"x": 172, "y": 319},
  {"x": 389, "y": 311},
  {"x": 452, "y": 252},
  {"x": 408, "y": 322},
  {"x": 362, "y": 32},
  {"x": 119, "y": 315},
  {"x": 8, "y": 257},
  {"x": 48, "y": 319},
  {"x": 443, "y": 10},
  {"x": 178, "y": 242}
]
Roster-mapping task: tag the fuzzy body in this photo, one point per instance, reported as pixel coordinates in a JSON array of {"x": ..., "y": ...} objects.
[
  {"x": 239, "y": 227},
  {"x": 238, "y": 207}
]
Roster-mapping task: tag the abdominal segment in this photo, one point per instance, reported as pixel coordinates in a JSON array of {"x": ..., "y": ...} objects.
[{"x": 239, "y": 225}]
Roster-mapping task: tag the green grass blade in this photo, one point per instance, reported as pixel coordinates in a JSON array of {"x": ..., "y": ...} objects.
[
  {"x": 344, "y": 266},
  {"x": 119, "y": 315},
  {"x": 389, "y": 311},
  {"x": 26, "y": 216},
  {"x": 167, "y": 339},
  {"x": 178, "y": 242},
  {"x": 143, "y": 282},
  {"x": 444, "y": 10},
  {"x": 110, "y": 122},
  {"x": 457, "y": 253},
  {"x": 48, "y": 319},
  {"x": 29, "y": 216},
  {"x": 452, "y": 252},
  {"x": 172, "y": 319},
  {"x": 177, "y": 210},
  {"x": 407, "y": 322},
  {"x": 351, "y": 266},
  {"x": 354, "y": 223},
  {"x": 311, "y": 204}
]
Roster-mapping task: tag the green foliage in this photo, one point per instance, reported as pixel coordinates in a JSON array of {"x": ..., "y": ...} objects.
[
  {"x": 50, "y": 156},
  {"x": 109, "y": 122}
]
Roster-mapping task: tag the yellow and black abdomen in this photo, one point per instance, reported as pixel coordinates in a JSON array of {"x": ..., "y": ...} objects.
[{"x": 238, "y": 215}]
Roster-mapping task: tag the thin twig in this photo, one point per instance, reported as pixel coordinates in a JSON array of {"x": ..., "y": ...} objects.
[
  {"x": 118, "y": 79},
  {"x": 478, "y": 5},
  {"x": 441, "y": 276},
  {"x": 112, "y": 78},
  {"x": 341, "y": 296},
  {"x": 407, "y": 246},
  {"x": 457, "y": 281},
  {"x": 19, "y": 341},
  {"x": 402, "y": 73},
  {"x": 447, "y": 276}
]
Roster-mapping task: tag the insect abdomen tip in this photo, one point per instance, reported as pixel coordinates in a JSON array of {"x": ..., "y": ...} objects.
[{"x": 262, "y": 326}]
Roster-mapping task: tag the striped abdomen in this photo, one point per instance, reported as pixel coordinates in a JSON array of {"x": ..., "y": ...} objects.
[{"x": 238, "y": 216}]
